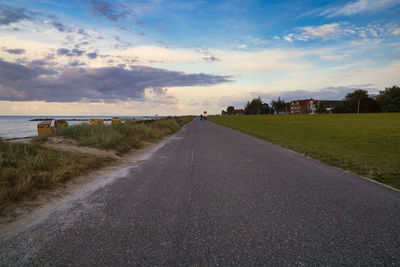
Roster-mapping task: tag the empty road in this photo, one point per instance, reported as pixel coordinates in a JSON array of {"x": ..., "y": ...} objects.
[{"x": 212, "y": 195}]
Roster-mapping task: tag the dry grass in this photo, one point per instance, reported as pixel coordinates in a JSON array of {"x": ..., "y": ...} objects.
[{"x": 27, "y": 168}]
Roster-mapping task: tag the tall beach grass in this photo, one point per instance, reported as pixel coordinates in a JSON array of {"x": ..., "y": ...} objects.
[
  {"x": 27, "y": 168},
  {"x": 123, "y": 137}
]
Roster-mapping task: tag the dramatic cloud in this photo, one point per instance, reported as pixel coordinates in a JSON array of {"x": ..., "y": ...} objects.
[
  {"x": 23, "y": 83},
  {"x": 359, "y": 6},
  {"x": 10, "y": 15},
  {"x": 17, "y": 51}
]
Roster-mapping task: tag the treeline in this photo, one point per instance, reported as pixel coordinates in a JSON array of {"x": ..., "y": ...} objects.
[
  {"x": 256, "y": 106},
  {"x": 357, "y": 101},
  {"x": 360, "y": 101}
]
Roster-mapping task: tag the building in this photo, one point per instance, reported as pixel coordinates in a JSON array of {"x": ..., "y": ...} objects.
[
  {"x": 305, "y": 106},
  {"x": 310, "y": 106}
]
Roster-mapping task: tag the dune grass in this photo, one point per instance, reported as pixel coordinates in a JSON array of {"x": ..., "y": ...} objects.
[
  {"x": 366, "y": 144},
  {"x": 27, "y": 168},
  {"x": 123, "y": 137}
]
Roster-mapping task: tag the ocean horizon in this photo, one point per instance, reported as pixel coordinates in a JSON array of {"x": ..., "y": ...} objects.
[{"x": 21, "y": 126}]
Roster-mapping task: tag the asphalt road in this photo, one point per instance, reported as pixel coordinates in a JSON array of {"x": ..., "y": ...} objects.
[{"x": 214, "y": 196}]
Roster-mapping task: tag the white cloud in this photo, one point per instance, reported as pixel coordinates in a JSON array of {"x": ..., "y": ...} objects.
[
  {"x": 396, "y": 31},
  {"x": 359, "y": 6},
  {"x": 288, "y": 37},
  {"x": 339, "y": 30},
  {"x": 324, "y": 32}
]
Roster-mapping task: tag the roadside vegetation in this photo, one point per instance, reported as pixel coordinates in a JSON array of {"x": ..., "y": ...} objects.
[
  {"x": 366, "y": 144},
  {"x": 25, "y": 169},
  {"x": 123, "y": 137}
]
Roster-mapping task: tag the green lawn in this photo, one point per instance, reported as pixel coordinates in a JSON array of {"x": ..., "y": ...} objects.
[{"x": 367, "y": 144}]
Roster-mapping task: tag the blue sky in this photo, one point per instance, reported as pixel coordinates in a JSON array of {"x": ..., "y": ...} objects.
[{"x": 100, "y": 57}]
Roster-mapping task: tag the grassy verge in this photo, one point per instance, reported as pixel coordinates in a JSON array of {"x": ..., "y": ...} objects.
[
  {"x": 367, "y": 144},
  {"x": 123, "y": 137},
  {"x": 27, "y": 168}
]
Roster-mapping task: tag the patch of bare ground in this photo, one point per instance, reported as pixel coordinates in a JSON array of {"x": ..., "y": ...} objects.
[
  {"x": 19, "y": 216},
  {"x": 24, "y": 140},
  {"x": 66, "y": 144}
]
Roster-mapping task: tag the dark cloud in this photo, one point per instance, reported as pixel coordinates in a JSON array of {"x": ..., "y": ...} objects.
[
  {"x": 60, "y": 27},
  {"x": 62, "y": 51},
  {"x": 16, "y": 51},
  {"x": 70, "y": 53},
  {"x": 106, "y": 9},
  {"x": 77, "y": 52},
  {"x": 40, "y": 62},
  {"x": 23, "y": 83},
  {"x": 92, "y": 55},
  {"x": 210, "y": 59},
  {"x": 10, "y": 15},
  {"x": 77, "y": 63}
]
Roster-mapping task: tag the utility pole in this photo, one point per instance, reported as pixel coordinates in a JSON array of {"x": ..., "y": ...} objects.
[{"x": 358, "y": 107}]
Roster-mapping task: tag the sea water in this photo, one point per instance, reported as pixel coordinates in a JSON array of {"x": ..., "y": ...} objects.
[{"x": 21, "y": 126}]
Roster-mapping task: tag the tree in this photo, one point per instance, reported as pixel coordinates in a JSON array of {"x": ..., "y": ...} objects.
[
  {"x": 253, "y": 107},
  {"x": 389, "y": 99},
  {"x": 265, "y": 109},
  {"x": 320, "y": 107},
  {"x": 358, "y": 100},
  {"x": 280, "y": 105},
  {"x": 230, "y": 110}
]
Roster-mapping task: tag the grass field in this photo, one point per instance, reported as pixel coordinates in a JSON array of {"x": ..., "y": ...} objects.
[{"x": 366, "y": 144}]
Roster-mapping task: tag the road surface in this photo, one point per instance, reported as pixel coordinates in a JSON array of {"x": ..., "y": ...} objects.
[{"x": 212, "y": 195}]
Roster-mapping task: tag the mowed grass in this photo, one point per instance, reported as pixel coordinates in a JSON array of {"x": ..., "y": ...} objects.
[
  {"x": 366, "y": 144},
  {"x": 123, "y": 137},
  {"x": 27, "y": 168}
]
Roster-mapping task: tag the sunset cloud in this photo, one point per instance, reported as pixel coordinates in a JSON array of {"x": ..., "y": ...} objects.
[{"x": 23, "y": 83}]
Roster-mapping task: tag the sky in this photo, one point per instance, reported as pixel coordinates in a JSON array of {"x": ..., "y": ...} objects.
[{"x": 110, "y": 58}]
